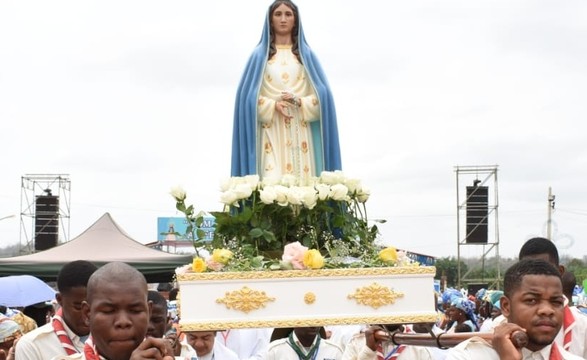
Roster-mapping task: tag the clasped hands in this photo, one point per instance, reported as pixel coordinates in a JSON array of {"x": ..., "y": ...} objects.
[
  {"x": 287, "y": 101},
  {"x": 153, "y": 349}
]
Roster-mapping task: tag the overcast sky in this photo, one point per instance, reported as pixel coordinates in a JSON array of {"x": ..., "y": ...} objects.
[{"x": 130, "y": 98}]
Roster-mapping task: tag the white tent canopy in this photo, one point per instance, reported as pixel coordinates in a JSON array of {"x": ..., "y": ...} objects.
[{"x": 104, "y": 241}]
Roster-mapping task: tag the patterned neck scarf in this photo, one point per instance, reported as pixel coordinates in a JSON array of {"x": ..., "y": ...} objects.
[
  {"x": 311, "y": 355},
  {"x": 555, "y": 353},
  {"x": 59, "y": 329},
  {"x": 568, "y": 325},
  {"x": 90, "y": 351}
]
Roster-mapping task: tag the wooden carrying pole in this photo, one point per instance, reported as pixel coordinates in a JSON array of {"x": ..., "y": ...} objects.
[{"x": 444, "y": 340}]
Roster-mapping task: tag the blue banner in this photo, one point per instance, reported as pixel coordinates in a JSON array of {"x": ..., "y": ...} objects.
[{"x": 175, "y": 228}]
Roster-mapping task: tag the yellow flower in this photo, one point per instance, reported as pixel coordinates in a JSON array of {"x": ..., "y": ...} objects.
[
  {"x": 222, "y": 256},
  {"x": 388, "y": 255},
  {"x": 313, "y": 259},
  {"x": 199, "y": 265}
]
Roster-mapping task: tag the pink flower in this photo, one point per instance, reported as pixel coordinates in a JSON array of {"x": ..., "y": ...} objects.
[
  {"x": 183, "y": 269},
  {"x": 214, "y": 265},
  {"x": 294, "y": 254}
]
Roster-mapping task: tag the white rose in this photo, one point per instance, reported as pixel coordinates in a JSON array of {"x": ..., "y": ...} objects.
[
  {"x": 229, "y": 198},
  {"x": 309, "y": 197},
  {"x": 327, "y": 177},
  {"x": 332, "y": 177},
  {"x": 225, "y": 184},
  {"x": 295, "y": 195},
  {"x": 339, "y": 192},
  {"x": 178, "y": 193},
  {"x": 289, "y": 180},
  {"x": 323, "y": 191},
  {"x": 311, "y": 181},
  {"x": 353, "y": 184},
  {"x": 270, "y": 181},
  {"x": 363, "y": 195},
  {"x": 252, "y": 180},
  {"x": 243, "y": 191},
  {"x": 281, "y": 195},
  {"x": 268, "y": 195}
]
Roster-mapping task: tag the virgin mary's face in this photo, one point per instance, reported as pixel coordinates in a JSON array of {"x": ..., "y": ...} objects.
[{"x": 283, "y": 20}]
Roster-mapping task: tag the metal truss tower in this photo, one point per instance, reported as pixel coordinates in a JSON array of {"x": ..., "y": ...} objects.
[
  {"x": 34, "y": 186},
  {"x": 477, "y": 220}
]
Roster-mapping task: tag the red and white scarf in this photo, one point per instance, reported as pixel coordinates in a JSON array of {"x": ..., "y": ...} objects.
[
  {"x": 59, "y": 329},
  {"x": 555, "y": 353},
  {"x": 90, "y": 351},
  {"x": 394, "y": 353},
  {"x": 568, "y": 325}
]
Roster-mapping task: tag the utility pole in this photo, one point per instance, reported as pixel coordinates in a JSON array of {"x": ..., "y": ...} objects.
[{"x": 550, "y": 209}]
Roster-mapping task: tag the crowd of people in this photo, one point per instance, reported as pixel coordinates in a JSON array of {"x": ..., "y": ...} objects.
[{"x": 110, "y": 313}]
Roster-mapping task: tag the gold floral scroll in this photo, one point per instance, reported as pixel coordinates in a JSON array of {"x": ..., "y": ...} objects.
[
  {"x": 375, "y": 295},
  {"x": 245, "y": 299},
  {"x": 309, "y": 298}
]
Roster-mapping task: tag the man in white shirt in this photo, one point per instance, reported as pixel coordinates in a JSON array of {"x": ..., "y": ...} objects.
[
  {"x": 303, "y": 343},
  {"x": 159, "y": 327},
  {"x": 207, "y": 348},
  {"x": 533, "y": 303},
  {"x": 573, "y": 333},
  {"x": 364, "y": 346},
  {"x": 66, "y": 332},
  {"x": 248, "y": 344}
]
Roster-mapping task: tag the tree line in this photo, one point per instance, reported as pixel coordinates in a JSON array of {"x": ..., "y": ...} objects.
[{"x": 475, "y": 271}]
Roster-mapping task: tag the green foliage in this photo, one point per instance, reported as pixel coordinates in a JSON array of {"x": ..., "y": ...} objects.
[
  {"x": 448, "y": 266},
  {"x": 294, "y": 213}
]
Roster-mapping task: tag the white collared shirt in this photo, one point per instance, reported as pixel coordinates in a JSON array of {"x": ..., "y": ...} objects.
[
  {"x": 42, "y": 343},
  {"x": 281, "y": 350},
  {"x": 579, "y": 339},
  {"x": 476, "y": 348}
]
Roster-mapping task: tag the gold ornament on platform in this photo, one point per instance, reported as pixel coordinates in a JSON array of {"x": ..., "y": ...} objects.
[
  {"x": 245, "y": 300},
  {"x": 309, "y": 298},
  {"x": 375, "y": 295}
]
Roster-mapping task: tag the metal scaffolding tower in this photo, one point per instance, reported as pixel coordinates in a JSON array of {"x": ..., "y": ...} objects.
[
  {"x": 478, "y": 204},
  {"x": 34, "y": 186}
]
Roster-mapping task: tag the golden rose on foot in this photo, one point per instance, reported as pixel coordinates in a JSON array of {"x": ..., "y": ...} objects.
[{"x": 313, "y": 259}]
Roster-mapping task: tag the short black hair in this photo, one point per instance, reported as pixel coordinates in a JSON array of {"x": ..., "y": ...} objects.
[
  {"x": 164, "y": 287},
  {"x": 461, "y": 328},
  {"x": 539, "y": 246},
  {"x": 75, "y": 274},
  {"x": 156, "y": 298},
  {"x": 569, "y": 281},
  {"x": 513, "y": 276},
  {"x": 173, "y": 294}
]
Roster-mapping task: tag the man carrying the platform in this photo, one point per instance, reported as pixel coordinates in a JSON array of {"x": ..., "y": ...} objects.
[
  {"x": 118, "y": 311},
  {"x": 303, "y": 343},
  {"x": 207, "y": 348},
  {"x": 533, "y": 303},
  {"x": 364, "y": 346},
  {"x": 160, "y": 327},
  {"x": 573, "y": 333},
  {"x": 66, "y": 332}
]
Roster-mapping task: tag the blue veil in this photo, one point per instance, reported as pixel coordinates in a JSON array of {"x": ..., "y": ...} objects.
[{"x": 245, "y": 147}]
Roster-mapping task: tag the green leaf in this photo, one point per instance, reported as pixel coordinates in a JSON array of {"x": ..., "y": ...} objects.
[{"x": 256, "y": 233}]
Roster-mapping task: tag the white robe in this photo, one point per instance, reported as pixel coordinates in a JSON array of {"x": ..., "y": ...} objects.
[
  {"x": 248, "y": 344},
  {"x": 286, "y": 144},
  {"x": 477, "y": 348}
]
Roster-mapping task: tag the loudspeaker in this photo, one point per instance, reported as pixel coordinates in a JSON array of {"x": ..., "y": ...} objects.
[
  {"x": 46, "y": 222},
  {"x": 477, "y": 210}
]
